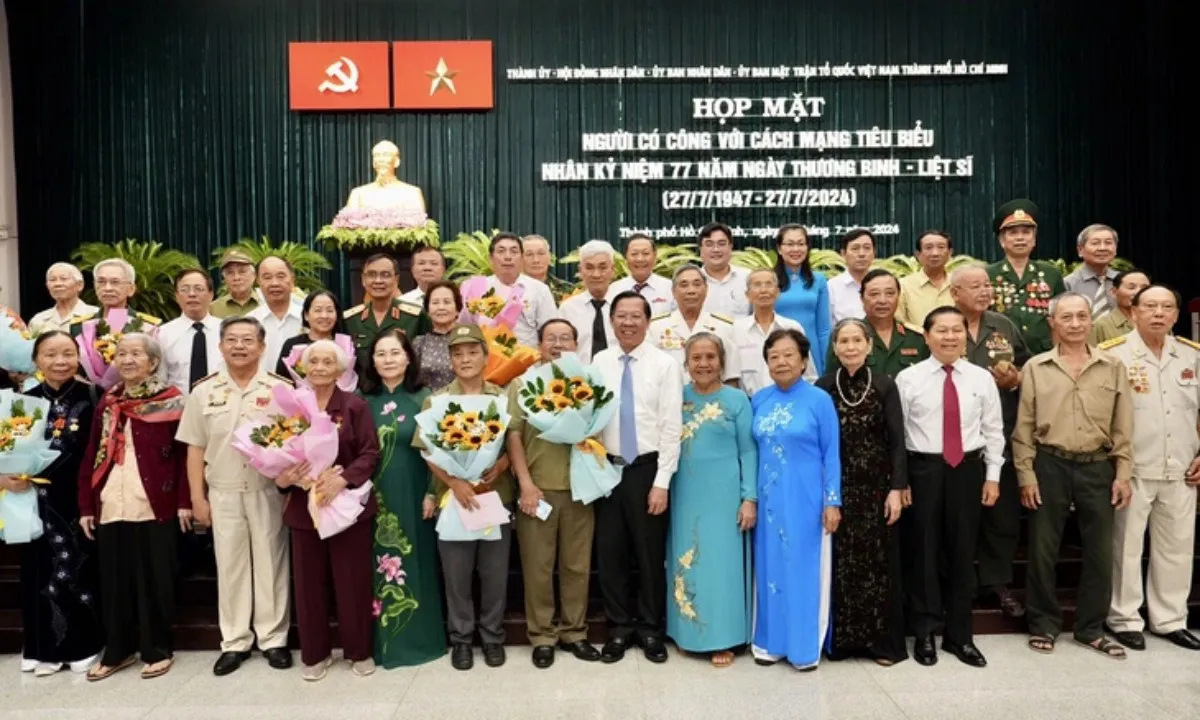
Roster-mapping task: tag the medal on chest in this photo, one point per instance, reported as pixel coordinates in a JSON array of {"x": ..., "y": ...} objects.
[{"x": 1139, "y": 379}]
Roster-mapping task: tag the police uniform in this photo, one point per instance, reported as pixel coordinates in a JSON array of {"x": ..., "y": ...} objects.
[
  {"x": 669, "y": 332},
  {"x": 403, "y": 315},
  {"x": 908, "y": 348},
  {"x": 1166, "y": 403},
  {"x": 1025, "y": 298},
  {"x": 247, "y": 514}
]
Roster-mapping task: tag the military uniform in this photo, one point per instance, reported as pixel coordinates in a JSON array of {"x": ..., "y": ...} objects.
[
  {"x": 908, "y": 348},
  {"x": 77, "y": 322},
  {"x": 247, "y": 514},
  {"x": 669, "y": 332},
  {"x": 1110, "y": 326},
  {"x": 226, "y": 307},
  {"x": 1166, "y": 403},
  {"x": 403, "y": 315},
  {"x": 1025, "y": 298}
]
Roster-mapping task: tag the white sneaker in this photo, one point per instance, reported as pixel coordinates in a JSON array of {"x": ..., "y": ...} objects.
[
  {"x": 82, "y": 666},
  {"x": 28, "y": 665},
  {"x": 47, "y": 669},
  {"x": 313, "y": 673},
  {"x": 363, "y": 668}
]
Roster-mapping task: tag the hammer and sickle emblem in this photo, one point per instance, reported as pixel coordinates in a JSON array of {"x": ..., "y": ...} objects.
[{"x": 345, "y": 72}]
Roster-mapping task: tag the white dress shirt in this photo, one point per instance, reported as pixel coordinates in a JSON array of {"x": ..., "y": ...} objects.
[
  {"x": 580, "y": 312},
  {"x": 728, "y": 296},
  {"x": 658, "y": 396},
  {"x": 176, "y": 340},
  {"x": 279, "y": 330},
  {"x": 656, "y": 290},
  {"x": 539, "y": 306},
  {"x": 415, "y": 296},
  {"x": 748, "y": 339},
  {"x": 845, "y": 298},
  {"x": 48, "y": 320},
  {"x": 921, "y": 394},
  {"x": 670, "y": 334}
]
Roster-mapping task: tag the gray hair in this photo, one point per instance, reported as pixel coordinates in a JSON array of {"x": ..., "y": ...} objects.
[
  {"x": 149, "y": 344},
  {"x": 1057, "y": 300},
  {"x": 536, "y": 238},
  {"x": 130, "y": 273},
  {"x": 686, "y": 267},
  {"x": 956, "y": 275},
  {"x": 711, "y": 337},
  {"x": 1091, "y": 230},
  {"x": 847, "y": 322},
  {"x": 592, "y": 248},
  {"x": 243, "y": 320},
  {"x": 343, "y": 361},
  {"x": 70, "y": 269},
  {"x": 769, "y": 271}
]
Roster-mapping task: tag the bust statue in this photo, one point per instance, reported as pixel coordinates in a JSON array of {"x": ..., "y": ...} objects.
[{"x": 387, "y": 192}]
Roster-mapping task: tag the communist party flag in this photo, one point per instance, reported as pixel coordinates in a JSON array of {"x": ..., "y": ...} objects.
[{"x": 442, "y": 75}]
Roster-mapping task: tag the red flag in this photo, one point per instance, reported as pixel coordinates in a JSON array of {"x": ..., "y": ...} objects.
[
  {"x": 443, "y": 75},
  {"x": 338, "y": 76}
]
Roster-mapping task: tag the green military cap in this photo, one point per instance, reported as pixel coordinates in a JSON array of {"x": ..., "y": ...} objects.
[
  {"x": 1014, "y": 213},
  {"x": 234, "y": 257},
  {"x": 466, "y": 333}
]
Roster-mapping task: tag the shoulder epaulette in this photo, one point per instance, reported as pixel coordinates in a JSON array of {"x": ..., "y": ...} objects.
[
  {"x": 203, "y": 380},
  {"x": 1110, "y": 344},
  {"x": 352, "y": 312},
  {"x": 722, "y": 317},
  {"x": 282, "y": 378},
  {"x": 149, "y": 318},
  {"x": 660, "y": 316},
  {"x": 409, "y": 307},
  {"x": 1190, "y": 343},
  {"x": 81, "y": 318}
]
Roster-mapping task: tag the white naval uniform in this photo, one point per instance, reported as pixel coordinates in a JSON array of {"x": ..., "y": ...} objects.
[{"x": 669, "y": 333}]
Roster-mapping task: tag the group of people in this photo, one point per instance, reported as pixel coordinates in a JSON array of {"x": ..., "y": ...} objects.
[{"x": 806, "y": 468}]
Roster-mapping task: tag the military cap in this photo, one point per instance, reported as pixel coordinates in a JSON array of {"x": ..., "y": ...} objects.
[
  {"x": 233, "y": 257},
  {"x": 466, "y": 333},
  {"x": 1014, "y": 213}
]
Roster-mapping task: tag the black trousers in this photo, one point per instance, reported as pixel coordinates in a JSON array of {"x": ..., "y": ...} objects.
[
  {"x": 626, "y": 537},
  {"x": 999, "y": 531},
  {"x": 137, "y": 589},
  {"x": 946, "y": 509}
]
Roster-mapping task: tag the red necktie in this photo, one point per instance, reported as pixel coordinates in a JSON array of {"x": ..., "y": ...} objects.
[{"x": 952, "y": 449}]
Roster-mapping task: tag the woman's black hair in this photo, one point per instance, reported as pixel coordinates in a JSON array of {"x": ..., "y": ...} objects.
[
  {"x": 781, "y": 272},
  {"x": 372, "y": 384},
  {"x": 338, "y": 326},
  {"x": 41, "y": 339},
  {"x": 801, "y": 340}
]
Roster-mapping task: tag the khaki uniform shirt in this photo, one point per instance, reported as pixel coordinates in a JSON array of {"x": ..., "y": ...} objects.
[
  {"x": 48, "y": 320},
  {"x": 670, "y": 334},
  {"x": 226, "y": 307},
  {"x": 919, "y": 297},
  {"x": 217, "y": 407},
  {"x": 1110, "y": 326},
  {"x": 549, "y": 463},
  {"x": 504, "y": 484},
  {"x": 1166, "y": 404},
  {"x": 1093, "y": 413}
]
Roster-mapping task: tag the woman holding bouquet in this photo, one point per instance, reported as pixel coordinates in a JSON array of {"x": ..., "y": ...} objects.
[
  {"x": 348, "y": 553},
  {"x": 713, "y": 507},
  {"x": 408, "y": 606},
  {"x": 322, "y": 321},
  {"x": 443, "y": 304},
  {"x": 59, "y": 606},
  {"x": 134, "y": 497}
]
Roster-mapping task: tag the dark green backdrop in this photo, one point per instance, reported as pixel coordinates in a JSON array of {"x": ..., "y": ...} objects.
[{"x": 168, "y": 119}]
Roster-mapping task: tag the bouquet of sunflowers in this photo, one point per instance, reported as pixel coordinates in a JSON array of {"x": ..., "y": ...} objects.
[
  {"x": 485, "y": 307},
  {"x": 507, "y": 358},
  {"x": 24, "y": 452},
  {"x": 464, "y": 436},
  {"x": 16, "y": 344},
  {"x": 569, "y": 404},
  {"x": 98, "y": 341}
]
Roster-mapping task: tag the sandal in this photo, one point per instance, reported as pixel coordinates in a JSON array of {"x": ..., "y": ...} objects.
[
  {"x": 100, "y": 672},
  {"x": 158, "y": 669},
  {"x": 1043, "y": 644},
  {"x": 1105, "y": 647},
  {"x": 722, "y": 659}
]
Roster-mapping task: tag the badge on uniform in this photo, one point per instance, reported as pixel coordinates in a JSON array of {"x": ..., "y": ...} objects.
[
  {"x": 909, "y": 351},
  {"x": 1187, "y": 375},
  {"x": 262, "y": 402},
  {"x": 1139, "y": 379},
  {"x": 669, "y": 340}
]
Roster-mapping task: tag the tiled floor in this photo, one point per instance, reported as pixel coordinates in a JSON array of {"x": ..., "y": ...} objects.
[{"x": 1163, "y": 682}]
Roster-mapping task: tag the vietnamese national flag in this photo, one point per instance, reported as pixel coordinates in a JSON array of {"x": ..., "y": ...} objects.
[{"x": 442, "y": 75}]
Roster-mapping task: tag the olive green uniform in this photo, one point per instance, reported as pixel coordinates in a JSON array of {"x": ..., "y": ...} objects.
[
  {"x": 1026, "y": 300},
  {"x": 226, "y": 307},
  {"x": 908, "y": 348},
  {"x": 404, "y": 316}
]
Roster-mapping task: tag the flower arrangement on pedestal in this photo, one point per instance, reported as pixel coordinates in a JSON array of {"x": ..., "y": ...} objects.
[{"x": 366, "y": 228}]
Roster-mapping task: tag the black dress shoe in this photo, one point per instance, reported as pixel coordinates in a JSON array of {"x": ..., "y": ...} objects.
[
  {"x": 582, "y": 650},
  {"x": 543, "y": 656},
  {"x": 229, "y": 662},
  {"x": 614, "y": 650},
  {"x": 655, "y": 649},
  {"x": 1009, "y": 605},
  {"x": 493, "y": 654},
  {"x": 462, "y": 657},
  {"x": 967, "y": 653},
  {"x": 278, "y": 658},
  {"x": 925, "y": 651},
  {"x": 1182, "y": 638},
  {"x": 1131, "y": 639}
]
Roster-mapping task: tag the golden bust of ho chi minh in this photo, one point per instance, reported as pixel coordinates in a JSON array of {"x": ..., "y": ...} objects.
[{"x": 387, "y": 191}]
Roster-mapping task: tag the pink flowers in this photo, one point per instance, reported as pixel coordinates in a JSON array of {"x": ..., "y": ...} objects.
[
  {"x": 376, "y": 608},
  {"x": 389, "y": 567},
  {"x": 388, "y": 409},
  {"x": 379, "y": 218}
]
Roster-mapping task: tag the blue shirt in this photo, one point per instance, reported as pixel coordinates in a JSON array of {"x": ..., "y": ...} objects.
[{"x": 809, "y": 306}]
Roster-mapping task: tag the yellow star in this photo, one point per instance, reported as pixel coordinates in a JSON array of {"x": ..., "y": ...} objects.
[{"x": 442, "y": 75}]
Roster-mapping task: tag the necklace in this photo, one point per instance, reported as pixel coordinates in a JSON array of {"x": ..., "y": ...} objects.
[{"x": 842, "y": 395}]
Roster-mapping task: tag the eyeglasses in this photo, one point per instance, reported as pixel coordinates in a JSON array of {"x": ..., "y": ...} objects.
[
  {"x": 384, "y": 275},
  {"x": 192, "y": 289}
]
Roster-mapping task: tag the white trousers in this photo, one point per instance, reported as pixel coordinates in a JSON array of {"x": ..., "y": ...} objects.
[
  {"x": 1169, "y": 508},
  {"x": 253, "y": 583}
]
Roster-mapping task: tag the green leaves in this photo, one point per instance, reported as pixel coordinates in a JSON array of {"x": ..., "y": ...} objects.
[
  {"x": 468, "y": 254},
  {"x": 155, "y": 265},
  {"x": 389, "y": 535},
  {"x": 308, "y": 263},
  {"x": 383, "y": 238}
]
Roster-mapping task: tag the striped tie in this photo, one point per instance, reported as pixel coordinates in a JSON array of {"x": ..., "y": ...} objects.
[{"x": 1100, "y": 301}]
